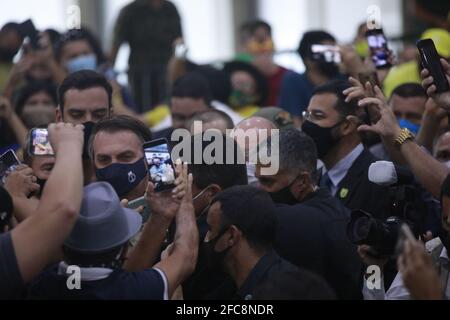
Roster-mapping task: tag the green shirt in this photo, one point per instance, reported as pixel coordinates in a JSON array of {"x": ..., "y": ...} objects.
[{"x": 149, "y": 31}]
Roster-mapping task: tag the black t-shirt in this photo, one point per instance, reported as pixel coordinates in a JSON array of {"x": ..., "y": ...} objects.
[
  {"x": 313, "y": 235},
  {"x": 119, "y": 285},
  {"x": 11, "y": 283}
]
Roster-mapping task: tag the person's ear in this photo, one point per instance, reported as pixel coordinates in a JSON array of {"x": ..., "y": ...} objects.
[
  {"x": 234, "y": 236},
  {"x": 59, "y": 116},
  {"x": 213, "y": 190},
  {"x": 350, "y": 126},
  {"x": 303, "y": 182}
]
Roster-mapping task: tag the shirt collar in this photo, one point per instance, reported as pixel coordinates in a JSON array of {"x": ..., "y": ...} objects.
[
  {"x": 339, "y": 171},
  {"x": 87, "y": 274}
]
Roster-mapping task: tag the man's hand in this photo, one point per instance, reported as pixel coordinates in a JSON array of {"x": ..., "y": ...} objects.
[
  {"x": 21, "y": 182},
  {"x": 419, "y": 273},
  {"x": 441, "y": 99},
  {"x": 368, "y": 259},
  {"x": 434, "y": 111},
  {"x": 65, "y": 134},
  {"x": 387, "y": 126},
  {"x": 166, "y": 204},
  {"x": 351, "y": 60}
]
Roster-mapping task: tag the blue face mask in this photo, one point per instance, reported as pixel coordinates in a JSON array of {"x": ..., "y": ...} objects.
[
  {"x": 85, "y": 62},
  {"x": 405, "y": 124},
  {"x": 123, "y": 177}
]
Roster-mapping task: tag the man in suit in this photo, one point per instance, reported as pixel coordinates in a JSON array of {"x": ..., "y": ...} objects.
[
  {"x": 332, "y": 122},
  {"x": 312, "y": 223}
]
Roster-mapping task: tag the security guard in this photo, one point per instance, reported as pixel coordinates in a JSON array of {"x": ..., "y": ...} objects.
[{"x": 333, "y": 123}]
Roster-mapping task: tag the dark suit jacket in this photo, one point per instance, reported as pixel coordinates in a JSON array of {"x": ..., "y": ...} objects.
[
  {"x": 356, "y": 191},
  {"x": 313, "y": 235}
]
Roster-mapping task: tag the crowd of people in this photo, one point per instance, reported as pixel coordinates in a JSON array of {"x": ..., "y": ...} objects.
[{"x": 363, "y": 179}]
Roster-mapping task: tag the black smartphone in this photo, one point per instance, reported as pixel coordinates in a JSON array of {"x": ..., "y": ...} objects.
[
  {"x": 39, "y": 145},
  {"x": 160, "y": 164},
  {"x": 28, "y": 30},
  {"x": 379, "y": 49},
  {"x": 8, "y": 163},
  {"x": 431, "y": 61}
]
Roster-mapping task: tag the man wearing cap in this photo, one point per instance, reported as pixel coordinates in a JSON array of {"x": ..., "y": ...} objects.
[{"x": 98, "y": 244}]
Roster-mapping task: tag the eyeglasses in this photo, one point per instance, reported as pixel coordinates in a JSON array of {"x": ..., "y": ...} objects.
[{"x": 313, "y": 115}]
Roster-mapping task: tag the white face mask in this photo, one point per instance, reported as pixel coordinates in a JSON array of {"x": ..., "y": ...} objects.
[{"x": 251, "y": 170}]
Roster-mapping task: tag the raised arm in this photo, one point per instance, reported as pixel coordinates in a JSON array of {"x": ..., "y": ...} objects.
[{"x": 38, "y": 238}]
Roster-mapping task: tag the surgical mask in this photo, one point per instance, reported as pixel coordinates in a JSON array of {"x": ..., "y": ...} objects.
[
  {"x": 213, "y": 259},
  {"x": 323, "y": 137},
  {"x": 123, "y": 177},
  {"x": 284, "y": 196},
  {"x": 40, "y": 115},
  {"x": 240, "y": 99},
  {"x": 405, "y": 124},
  {"x": 85, "y": 62}
]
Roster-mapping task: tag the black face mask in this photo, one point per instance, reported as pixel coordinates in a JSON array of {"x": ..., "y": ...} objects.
[
  {"x": 88, "y": 128},
  {"x": 213, "y": 259},
  {"x": 7, "y": 55},
  {"x": 328, "y": 69},
  {"x": 284, "y": 196},
  {"x": 323, "y": 137}
]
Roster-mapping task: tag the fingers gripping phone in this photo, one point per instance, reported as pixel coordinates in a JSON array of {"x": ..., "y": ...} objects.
[
  {"x": 8, "y": 163},
  {"x": 160, "y": 164},
  {"x": 431, "y": 61},
  {"x": 140, "y": 202},
  {"x": 39, "y": 145},
  {"x": 379, "y": 49}
]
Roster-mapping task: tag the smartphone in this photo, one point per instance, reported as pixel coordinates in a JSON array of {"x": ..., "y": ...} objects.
[
  {"x": 328, "y": 53},
  {"x": 160, "y": 165},
  {"x": 39, "y": 145},
  {"x": 431, "y": 61},
  {"x": 8, "y": 163},
  {"x": 140, "y": 202},
  {"x": 28, "y": 30},
  {"x": 378, "y": 46}
]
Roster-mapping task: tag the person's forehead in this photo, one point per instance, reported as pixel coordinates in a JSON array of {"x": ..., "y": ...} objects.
[
  {"x": 187, "y": 105},
  {"x": 116, "y": 142},
  {"x": 72, "y": 47},
  {"x": 241, "y": 76},
  {"x": 43, "y": 160},
  {"x": 408, "y": 103},
  {"x": 39, "y": 96},
  {"x": 324, "y": 102},
  {"x": 86, "y": 99}
]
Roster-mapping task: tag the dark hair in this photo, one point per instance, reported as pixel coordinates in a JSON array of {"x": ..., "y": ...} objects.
[
  {"x": 260, "y": 80},
  {"x": 83, "y": 80},
  {"x": 212, "y": 115},
  {"x": 249, "y": 28},
  {"x": 76, "y": 35},
  {"x": 287, "y": 282},
  {"x": 32, "y": 88},
  {"x": 310, "y": 38},
  {"x": 108, "y": 259},
  {"x": 297, "y": 151},
  {"x": 252, "y": 211},
  {"x": 344, "y": 108},
  {"x": 120, "y": 123},
  {"x": 222, "y": 173},
  {"x": 192, "y": 85},
  {"x": 410, "y": 90}
]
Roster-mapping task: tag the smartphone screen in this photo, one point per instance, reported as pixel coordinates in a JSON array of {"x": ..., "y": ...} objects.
[
  {"x": 431, "y": 61},
  {"x": 160, "y": 165},
  {"x": 378, "y": 46},
  {"x": 8, "y": 163},
  {"x": 39, "y": 143}
]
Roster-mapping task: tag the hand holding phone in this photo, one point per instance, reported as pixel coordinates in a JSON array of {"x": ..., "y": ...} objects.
[
  {"x": 160, "y": 164},
  {"x": 431, "y": 61},
  {"x": 8, "y": 163},
  {"x": 379, "y": 49}
]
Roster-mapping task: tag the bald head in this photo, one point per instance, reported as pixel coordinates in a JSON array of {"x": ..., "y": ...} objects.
[{"x": 250, "y": 132}]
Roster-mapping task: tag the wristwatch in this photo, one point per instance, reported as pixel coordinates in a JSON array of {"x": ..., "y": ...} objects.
[{"x": 404, "y": 136}]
